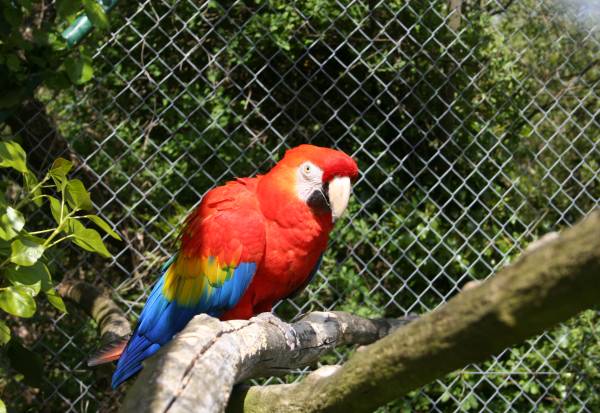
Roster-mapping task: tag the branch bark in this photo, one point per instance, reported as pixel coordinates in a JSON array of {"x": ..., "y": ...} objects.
[
  {"x": 454, "y": 12},
  {"x": 550, "y": 283},
  {"x": 213, "y": 356},
  {"x": 547, "y": 285},
  {"x": 111, "y": 321}
]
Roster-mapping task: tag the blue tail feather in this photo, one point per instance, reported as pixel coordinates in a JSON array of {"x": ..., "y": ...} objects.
[{"x": 141, "y": 348}]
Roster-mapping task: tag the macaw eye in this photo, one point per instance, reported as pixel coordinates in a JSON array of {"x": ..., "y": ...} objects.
[{"x": 309, "y": 171}]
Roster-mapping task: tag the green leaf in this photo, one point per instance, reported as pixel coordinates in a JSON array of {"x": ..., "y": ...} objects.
[
  {"x": 12, "y": 156},
  {"x": 11, "y": 223},
  {"x": 26, "y": 251},
  {"x": 4, "y": 248},
  {"x": 4, "y": 337},
  {"x": 55, "y": 209},
  {"x": 32, "y": 289},
  {"x": 87, "y": 238},
  {"x": 103, "y": 225},
  {"x": 79, "y": 70},
  {"x": 18, "y": 301},
  {"x": 96, "y": 14},
  {"x": 30, "y": 183},
  {"x": 77, "y": 196},
  {"x": 67, "y": 8},
  {"x": 59, "y": 170},
  {"x": 55, "y": 300},
  {"x": 36, "y": 276},
  {"x": 2, "y": 407}
]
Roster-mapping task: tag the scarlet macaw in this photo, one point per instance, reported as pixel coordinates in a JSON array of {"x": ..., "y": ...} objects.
[{"x": 250, "y": 243}]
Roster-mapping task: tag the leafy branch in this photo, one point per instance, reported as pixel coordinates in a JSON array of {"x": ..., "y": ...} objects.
[{"x": 24, "y": 272}]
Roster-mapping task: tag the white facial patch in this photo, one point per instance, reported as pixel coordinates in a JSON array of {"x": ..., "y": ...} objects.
[{"x": 309, "y": 178}]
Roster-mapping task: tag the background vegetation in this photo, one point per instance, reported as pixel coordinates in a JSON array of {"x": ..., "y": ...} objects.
[{"x": 476, "y": 131}]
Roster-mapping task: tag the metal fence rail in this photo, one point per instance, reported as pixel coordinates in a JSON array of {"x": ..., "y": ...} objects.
[{"x": 475, "y": 125}]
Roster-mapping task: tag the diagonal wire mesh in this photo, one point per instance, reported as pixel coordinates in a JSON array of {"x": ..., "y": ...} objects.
[{"x": 475, "y": 125}]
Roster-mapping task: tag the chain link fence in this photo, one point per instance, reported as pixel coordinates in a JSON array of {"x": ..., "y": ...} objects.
[{"x": 475, "y": 125}]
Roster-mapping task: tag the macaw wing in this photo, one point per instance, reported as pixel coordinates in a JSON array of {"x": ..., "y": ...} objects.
[{"x": 209, "y": 275}]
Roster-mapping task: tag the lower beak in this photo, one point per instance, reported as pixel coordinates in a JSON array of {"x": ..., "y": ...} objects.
[{"x": 339, "y": 194}]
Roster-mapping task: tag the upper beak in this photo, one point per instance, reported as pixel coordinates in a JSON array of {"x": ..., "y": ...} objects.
[{"x": 339, "y": 194}]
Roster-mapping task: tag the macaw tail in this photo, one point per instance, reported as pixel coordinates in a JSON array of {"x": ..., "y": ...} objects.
[
  {"x": 109, "y": 352},
  {"x": 138, "y": 349}
]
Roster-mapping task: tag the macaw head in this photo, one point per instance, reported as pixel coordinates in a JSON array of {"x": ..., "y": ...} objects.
[{"x": 319, "y": 177}]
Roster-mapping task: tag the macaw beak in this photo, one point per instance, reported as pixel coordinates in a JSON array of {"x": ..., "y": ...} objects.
[{"x": 338, "y": 192}]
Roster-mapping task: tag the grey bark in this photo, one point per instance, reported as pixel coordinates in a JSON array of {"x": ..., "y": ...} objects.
[
  {"x": 550, "y": 283},
  {"x": 198, "y": 369}
]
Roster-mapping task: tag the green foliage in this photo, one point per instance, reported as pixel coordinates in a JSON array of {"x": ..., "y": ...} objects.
[
  {"x": 12, "y": 156},
  {"x": 96, "y": 14},
  {"x": 26, "y": 251},
  {"x": 79, "y": 69},
  {"x": 18, "y": 300},
  {"x": 24, "y": 271},
  {"x": 33, "y": 53}
]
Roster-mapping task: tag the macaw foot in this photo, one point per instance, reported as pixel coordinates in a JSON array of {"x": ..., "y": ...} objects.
[{"x": 291, "y": 339}]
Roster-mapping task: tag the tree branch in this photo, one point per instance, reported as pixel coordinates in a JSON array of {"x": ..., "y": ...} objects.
[
  {"x": 550, "y": 283},
  {"x": 213, "y": 356},
  {"x": 111, "y": 321},
  {"x": 553, "y": 281}
]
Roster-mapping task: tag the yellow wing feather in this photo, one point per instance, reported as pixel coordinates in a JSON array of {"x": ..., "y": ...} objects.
[{"x": 190, "y": 278}]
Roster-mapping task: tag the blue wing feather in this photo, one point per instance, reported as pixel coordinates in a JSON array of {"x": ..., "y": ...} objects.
[{"x": 161, "y": 319}]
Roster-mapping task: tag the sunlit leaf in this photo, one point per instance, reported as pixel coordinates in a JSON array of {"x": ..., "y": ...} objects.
[
  {"x": 103, "y": 225},
  {"x": 26, "y": 251},
  {"x": 11, "y": 223},
  {"x": 86, "y": 238},
  {"x": 12, "y": 156},
  {"x": 61, "y": 167},
  {"x": 17, "y": 300},
  {"x": 2, "y": 407},
  {"x": 77, "y": 196},
  {"x": 79, "y": 70},
  {"x": 59, "y": 170},
  {"x": 55, "y": 209},
  {"x": 4, "y": 336},
  {"x": 96, "y": 14},
  {"x": 56, "y": 300}
]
